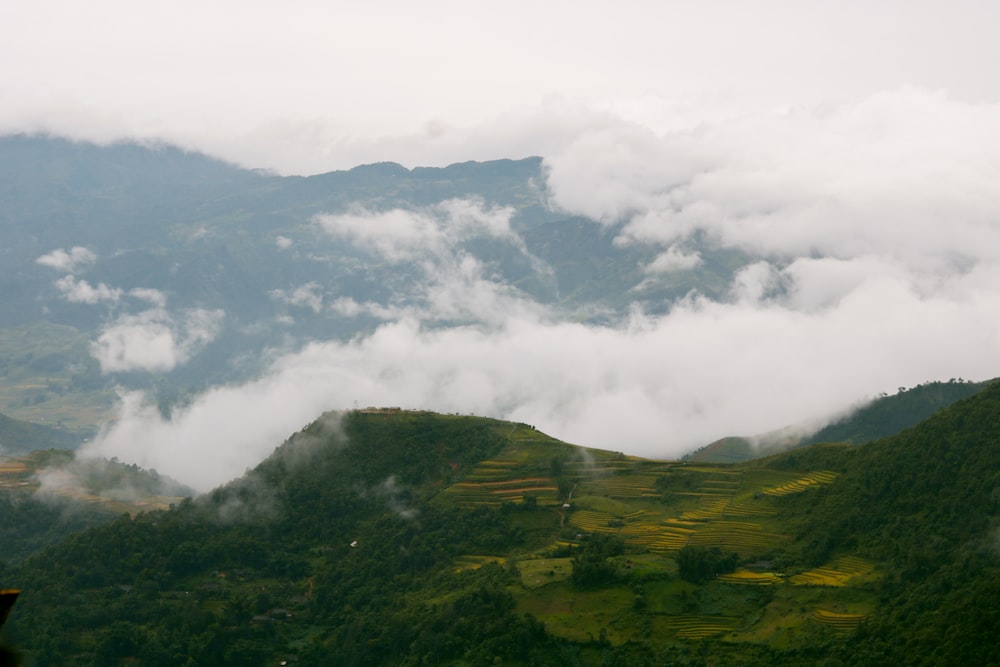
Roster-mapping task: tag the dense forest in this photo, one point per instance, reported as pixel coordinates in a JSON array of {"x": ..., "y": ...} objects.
[{"x": 410, "y": 538}]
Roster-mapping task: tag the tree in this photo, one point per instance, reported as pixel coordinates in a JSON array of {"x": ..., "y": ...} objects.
[
  {"x": 591, "y": 564},
  {"x": 699, "y": 564}
]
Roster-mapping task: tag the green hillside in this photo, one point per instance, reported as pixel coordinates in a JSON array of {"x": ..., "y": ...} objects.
[{"x": 407, "y": 538}]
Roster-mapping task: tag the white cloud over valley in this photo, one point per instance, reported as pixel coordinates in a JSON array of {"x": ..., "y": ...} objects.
[
  {"x": 153, "y": 340},
  {"x": 654, "y": 385},
  {"x": 400, "y": 235},
  {"x": 80, "y": 291},
  {"x": 67, "y": 260}
]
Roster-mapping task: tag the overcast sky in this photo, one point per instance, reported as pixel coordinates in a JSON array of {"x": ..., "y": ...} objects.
[
  {"x": 308, "y": 86},
  {"x": 854, "y": 146}
]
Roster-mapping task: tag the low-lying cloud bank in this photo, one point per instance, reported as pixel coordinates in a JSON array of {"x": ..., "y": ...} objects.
[
  {"x": 655, "y": 386},
  {"x": 875, "y": 233}
]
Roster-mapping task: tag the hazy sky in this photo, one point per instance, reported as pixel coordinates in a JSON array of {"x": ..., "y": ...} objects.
[
  {"x": 854, "y": 146},
  {"x": 305, "y": 87}
]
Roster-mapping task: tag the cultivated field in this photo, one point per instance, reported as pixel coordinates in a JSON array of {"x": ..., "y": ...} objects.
[{"x": 657, "y": 508}]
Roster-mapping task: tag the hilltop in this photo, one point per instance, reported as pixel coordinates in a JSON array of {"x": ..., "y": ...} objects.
[{"x": 414, "y": 538}]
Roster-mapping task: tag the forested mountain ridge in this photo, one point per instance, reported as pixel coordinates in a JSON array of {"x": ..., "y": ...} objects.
[
  {"x": 879, "y": 418},
  {"x": 394, "y": 537},
  {"x": 888, "y": 415}
]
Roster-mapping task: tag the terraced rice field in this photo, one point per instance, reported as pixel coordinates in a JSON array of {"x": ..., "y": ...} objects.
[
  {"x": 596, "y": 468},
  {"x": 745, "y": 538},
  {"x": 557, "y": 546},
  {"x": 710, "y": 470},
  {"x": 723, "y": 501},
  {"x": 834, "y": 573},
  {"x": 593, "y": 521},
  {"x": 842, "y": 622},
  {"x": 748, "y": 577},
  {"x": 748, "y": 507},
  {"x": 496, "y": 481},
  {"x": 12, "y": 467},
  {"x": 714, "y": 480},
  {"x": 709, "y": 507},
  {"x": 762, "y": 478},
  {"x": 639, "y": 485},
  {"x": 657, "y": 537},
  {"x": 802, "y": 483},
  {"x": 699, "y": 627},
  {"x": 474, "y": 562},
  {"x": 492, "y": 470},
  {"x": 14, "y": 474}
]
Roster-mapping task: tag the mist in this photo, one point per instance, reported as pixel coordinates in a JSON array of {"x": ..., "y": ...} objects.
[{"x": 655, "y": 386}]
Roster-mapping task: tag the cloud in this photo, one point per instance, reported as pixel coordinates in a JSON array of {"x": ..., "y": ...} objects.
[
  {"x": 282, "y": 102},
  {"x": 454, "y": 290},
  {"x": 309, "y": 296},
  {"x": 456, "y": 287},
  {"x": 906, "y": 174},
  {"x": 107, "y": 479},
  {"x": 656, "y": 386},
  {"x": 77, "y": 290},
  {"x": 401, "y": 235},
  {"x": 67, "y": 260},
  {"x": 80, "y": 291},
  {"x": 348, "y": 307},
  {"x": 283, "y": 242},
  {"x": 393, "y": 494},
  {"x": 154, "y": 341},
  {"x": 754, "y": 283},
  {"x": 154, "y": 297},
  {"x": 673, "y": 259}
]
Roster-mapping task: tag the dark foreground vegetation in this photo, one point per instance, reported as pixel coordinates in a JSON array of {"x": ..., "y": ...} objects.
[{"x": 420, "y": 539}]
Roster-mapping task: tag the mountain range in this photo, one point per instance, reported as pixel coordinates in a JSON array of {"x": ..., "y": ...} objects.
[
  {"x": 223, "y": 262},
  {"x": 156, "y": 291}
]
